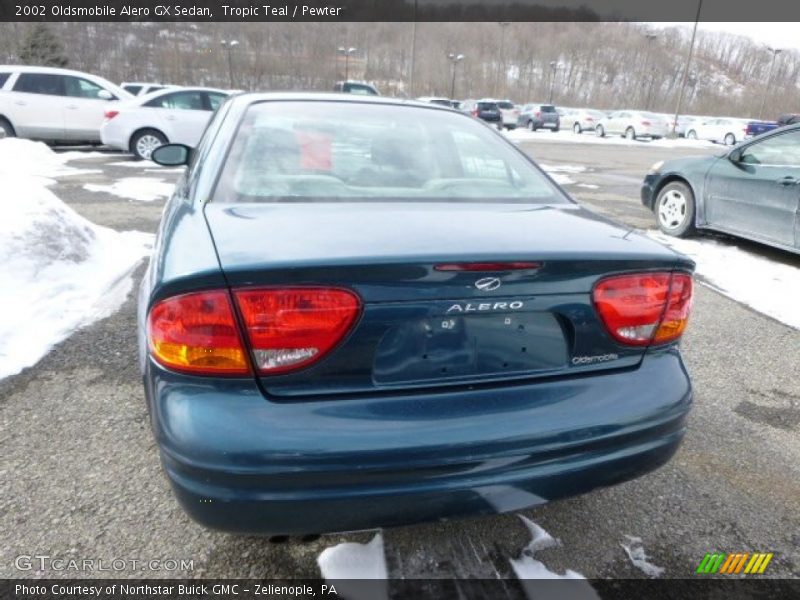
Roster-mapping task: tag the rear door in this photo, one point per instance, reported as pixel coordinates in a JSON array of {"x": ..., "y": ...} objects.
[
  {"x": 759, "y": 195},
  {"x": 183, "y": 115},
  {"x": 84, "y": 109},
  {"x": 36, "y": 105}
]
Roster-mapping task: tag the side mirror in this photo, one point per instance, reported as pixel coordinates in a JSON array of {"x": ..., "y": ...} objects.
[
  {"x": 172, "y": 155},
  {"x": 105, "y": 95},
  {"x": 735, "y": 155}
]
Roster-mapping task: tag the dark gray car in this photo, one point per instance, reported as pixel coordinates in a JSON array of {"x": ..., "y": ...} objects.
[
  {"x": 752, "y": 191},
  {"x": 539, "y": 116}
]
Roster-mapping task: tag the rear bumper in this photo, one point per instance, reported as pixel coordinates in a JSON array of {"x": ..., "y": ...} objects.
[
  {"x": 114, "y": 137},
  {"x": 240, "y": 463}
]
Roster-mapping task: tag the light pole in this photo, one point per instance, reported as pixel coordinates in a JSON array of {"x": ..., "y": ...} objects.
[
  {"x": 230, "y": 44},
  {"x": 455, "y": 59},
  {"x": 686, "y": 71},
  {"x": 775, "y": 52},
  {"x": 347, "y": 52},
  {"x": 650, "y": 38},
  {"x": 554, "y": 66},
  {"x": 503, "y": 25}
]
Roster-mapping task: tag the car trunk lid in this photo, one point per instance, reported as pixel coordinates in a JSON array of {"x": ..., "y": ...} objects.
[{"x": 425, "y": 321}]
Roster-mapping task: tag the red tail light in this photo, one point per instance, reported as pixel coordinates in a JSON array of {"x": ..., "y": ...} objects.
[
  {"x": 590, "y": 119},
  {"x": 290, "y": 328},
  {"x": 475, "y": 112},
  {"x": 646, "y": 123},
  {"x": 644, "y": 308},
  {"x": 110, "y": 114},
  {"x": 197, "y": 333},
  {"x": 538, "y": 114}
]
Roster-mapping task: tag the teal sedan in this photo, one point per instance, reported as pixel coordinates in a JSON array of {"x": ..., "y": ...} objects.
[{"x": 751, "y": 191}]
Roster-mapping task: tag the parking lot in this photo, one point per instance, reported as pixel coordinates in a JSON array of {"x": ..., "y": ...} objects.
[{"x": 81, "y": 474}]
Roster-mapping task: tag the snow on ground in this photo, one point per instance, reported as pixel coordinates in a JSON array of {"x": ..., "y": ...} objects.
[
  {"x": 22, "y": 158},
  {"x": 60, "y": 272},
  {"x": 527, "y": 567},
  {"x": 635, "y": 551},
  {"x": 765, "y": 285},
  {"x": 145, "y": 189},
  {"x": 148, "y": 166},
  {"x": 558, "y": 172},
  {"x": 523, "y": 135},
  {"x": 358, "y": 571}
]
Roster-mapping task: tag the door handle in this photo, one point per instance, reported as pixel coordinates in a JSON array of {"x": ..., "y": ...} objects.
[
  {"x": 170, "y": 118},
  {"x": 72, "y": 106},
  {"x": 788, "y": 180}
]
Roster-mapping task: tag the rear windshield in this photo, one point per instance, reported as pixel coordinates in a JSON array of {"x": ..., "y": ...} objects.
[
  {"x": 548, "y": 108},
  {"x": 505, "y": 105},
  {"x": 331, "y": 151},
  {"x": 487, "y": 106},
  {"x": 3, "y": 78}
]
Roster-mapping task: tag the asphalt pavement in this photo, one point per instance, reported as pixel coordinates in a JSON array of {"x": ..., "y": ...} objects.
[{"x": 81, "y": 476}]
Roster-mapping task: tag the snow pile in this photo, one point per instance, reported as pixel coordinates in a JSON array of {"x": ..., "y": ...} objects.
[
  {"x": 23, "y": 158},
  {"x": 527, "y": 567},
  {"x": 635, "y": 551},
  {"x": 523, "y": 135},
  {"x": 763, "y": 284},
  {"x": 358, "y": 571},
  {"x": 144, "y": 189},
  {"x": 59, "y": 271}
]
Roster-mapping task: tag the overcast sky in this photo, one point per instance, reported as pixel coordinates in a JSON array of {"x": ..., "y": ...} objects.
[{"x": 777, "y": 35}]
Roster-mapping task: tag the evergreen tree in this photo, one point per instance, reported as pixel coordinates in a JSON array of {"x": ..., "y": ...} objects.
[{"x": 42, "y": 47}]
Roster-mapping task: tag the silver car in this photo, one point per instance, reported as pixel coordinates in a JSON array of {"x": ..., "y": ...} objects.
[
  {"x": 539, "y": 116},
  {"x": 633, "y": 124},
  {"x": 582, "y": 119}
]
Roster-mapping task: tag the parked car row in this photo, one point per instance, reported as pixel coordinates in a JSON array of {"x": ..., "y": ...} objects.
[{"x": 63, "y": 106}]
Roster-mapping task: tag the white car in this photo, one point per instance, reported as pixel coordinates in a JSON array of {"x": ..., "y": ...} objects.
[
  {"x": 54, "y": 105},
  {"x": 581, "y": 119},
  {"x": 510, "y": 113},
  {"x": 168, "y": 116},
  {"x": 720, "y": 130},
  {"x": 633, "y": 124},
  {"x": 138, "y": 88}
]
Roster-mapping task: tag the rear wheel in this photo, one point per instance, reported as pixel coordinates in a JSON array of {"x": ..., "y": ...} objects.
[
  {"x": 730, "y": 139},
  {"x": 6, "y": 130},
  {"x": 556, "y": 129},
  {"x": 600, "y": 131},
  {"x": 145, "y": 141},
  {"x": 691, "y": 134},
  {"x": 531, "y": 126},
  {"x": 675, "y": 209},
  {"x": 630, "y": 134},
  {"x": 576, "y": 128}
]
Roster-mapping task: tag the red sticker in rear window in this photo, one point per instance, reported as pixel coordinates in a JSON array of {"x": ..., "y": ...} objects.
[{"x": 315, "y": 150}]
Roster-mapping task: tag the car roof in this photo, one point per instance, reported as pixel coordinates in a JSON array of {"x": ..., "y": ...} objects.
[
  {"x": 248, "y": 98},
  {"x": 55, "y": 70},
  {"x": 176, "y": 89}
]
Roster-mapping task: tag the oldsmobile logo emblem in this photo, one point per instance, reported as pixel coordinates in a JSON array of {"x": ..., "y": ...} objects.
[{"x": 487, "y": 284}]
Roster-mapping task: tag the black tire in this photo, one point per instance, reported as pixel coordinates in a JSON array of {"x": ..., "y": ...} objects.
[
  {"x": 531, "y": 125},
  {"x": 6, "y": 129},
  {"x": 730, "y": 139},
  {"x": 576, "y": 128},
  {"x": 630, "y": 134},
  {"x": 691, "y": 134},
  {"x": 138, "y": 144},
  {"x": 674, "y": 209},
  {"x": 556, "y": 129},
  {"x": 600, "y": 131}
]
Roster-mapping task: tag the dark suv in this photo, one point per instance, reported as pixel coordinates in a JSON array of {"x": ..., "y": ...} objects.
[
  {"x": 486, "y": 110},
  {"x": 537, "y": 116}
]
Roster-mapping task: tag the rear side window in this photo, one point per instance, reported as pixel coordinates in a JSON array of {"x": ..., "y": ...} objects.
[
  {"x": 3, "y": 78},
  {"x": 133, "y": 89},
  {"x": 487, "y": 106},
  {"x": 548, "y": 108},
  {"x": 78, "y": 87},
  {"x": 40, "y": 83},
  {"x": 214, "y": 99},
  {"x": 179, "y": 100},
  {"x": 324, "y": 151},
  {"x": 505, "y": 105}
]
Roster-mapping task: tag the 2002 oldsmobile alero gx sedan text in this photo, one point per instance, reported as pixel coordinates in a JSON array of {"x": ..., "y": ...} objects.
[{"x": 363, "y": 313}]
